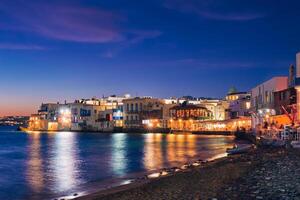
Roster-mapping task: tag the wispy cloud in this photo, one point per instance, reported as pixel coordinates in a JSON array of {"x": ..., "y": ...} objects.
[
  {"x": 9, "y": 46},
  {"x": 215, "y": 10},
  {"x": 210, "y": 64},
  {"x": 197, "y": 63},
  {"x": 133, "y": 37},
  {"x": 70, "y": 22}
]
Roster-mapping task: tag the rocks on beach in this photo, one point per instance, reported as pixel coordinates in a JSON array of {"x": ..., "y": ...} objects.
[
  {"x": 261, "y": 174},
  {"x": 276, "y": 176}
]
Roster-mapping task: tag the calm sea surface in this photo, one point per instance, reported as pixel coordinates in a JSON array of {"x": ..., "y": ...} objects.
[{"x": 49, "y": 165}]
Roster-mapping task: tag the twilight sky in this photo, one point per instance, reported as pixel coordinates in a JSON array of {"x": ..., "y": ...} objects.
[{"x": 56, "y": 50}]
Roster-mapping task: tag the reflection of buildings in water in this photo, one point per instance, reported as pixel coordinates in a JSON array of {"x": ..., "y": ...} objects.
[
  {"x": 181, "y": 147},
  {"x": 216, "y": 145},
  {"x": 153, "y": 158},
  {"x": 34, "y": 173},
  {"x": 64, "y": 161},
  {"x": 161, "y": 151},
  {"x": 119, "y": 161},
  {"x": 171, "y": 147},
  {"x": 191, "y": 150},
  {"x": 178, "y": 149}
]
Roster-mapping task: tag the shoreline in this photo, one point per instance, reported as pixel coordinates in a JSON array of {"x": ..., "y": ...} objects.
[
  {"x": 146, "y": 178},
  {"x": 141, "y": 178},
  {"x": 156, "y": 175},
  {"x": 211, "y": 179},
  {"x": 137, "y": 131}
]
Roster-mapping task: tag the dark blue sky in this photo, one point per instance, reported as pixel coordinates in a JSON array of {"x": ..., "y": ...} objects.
[{"x": 56, "y": 50}]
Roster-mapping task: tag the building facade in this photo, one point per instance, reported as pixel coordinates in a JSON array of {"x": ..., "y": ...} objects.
[
  {"x": 239, "y": 104},
  {"x": 140, "y": 111},
  {"x": 186, "y": 117},
  {"x": 94, "y": 114},
  {"x": 263, "y": 99}
]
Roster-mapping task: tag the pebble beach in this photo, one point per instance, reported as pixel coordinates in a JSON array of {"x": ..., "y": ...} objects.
[{"x": 260, "y": 174}]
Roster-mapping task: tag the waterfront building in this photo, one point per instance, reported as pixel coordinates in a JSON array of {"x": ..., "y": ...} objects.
[
  {"x": 142, "y": 112},
  {"x": 217, "y": 107},
  {"x": 239, "y": 104},
  {"x": 37, "y": 122},
  {"x": 277, "y": 101},
  {"x": 86, "y": 114},
  {"x": 185, "y": 117},
  {"x": 190, "y": 111},
  {"x": 69, "y": 116},
  {"x": 263, "y": 101},
  {"x": 111, "y": 113},
  {"x": 228, "y": 125}
]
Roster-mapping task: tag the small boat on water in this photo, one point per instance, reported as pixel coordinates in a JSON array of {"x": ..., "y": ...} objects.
[
  {"x": 21, "y": 128},
  {"x": 239, "y": 149},
  {"x": 295, "y": 144},
  {"x": 265, "y": 141},
  {"x": 268, "y": 141}
]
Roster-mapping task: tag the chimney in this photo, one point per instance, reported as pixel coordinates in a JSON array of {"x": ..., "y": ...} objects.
[
  {"x": 291, "y": 76},
  {"x": 298, "y": 64}
]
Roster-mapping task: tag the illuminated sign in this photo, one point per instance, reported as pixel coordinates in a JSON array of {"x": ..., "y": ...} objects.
[{"x": 117, "y": 114}]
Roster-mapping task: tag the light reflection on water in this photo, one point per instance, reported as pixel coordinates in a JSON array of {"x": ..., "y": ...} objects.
[
  {"x": 152, "y": 151},
  {"x": 59, "y": 164},
  {"x": 119, "y": 160},
  {"x": 34, "y": 173},
  {"x": 64, "y": 161}
]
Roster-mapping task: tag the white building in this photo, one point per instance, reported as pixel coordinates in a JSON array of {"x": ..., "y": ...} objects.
[
  {"x": 94, "y": 114},
  {"x": 239, "y": 104},
  {"x": 216, "y": 106},
  {"x": 262, "y": 99}
]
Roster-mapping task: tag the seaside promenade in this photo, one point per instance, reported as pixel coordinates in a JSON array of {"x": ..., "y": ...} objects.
[{"x": 261, "y": 174}]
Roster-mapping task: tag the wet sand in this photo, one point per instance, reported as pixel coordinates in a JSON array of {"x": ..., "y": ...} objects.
[{"x": 246, "y": 176}]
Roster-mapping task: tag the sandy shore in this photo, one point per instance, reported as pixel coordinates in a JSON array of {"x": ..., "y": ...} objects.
[{"x": 261, "y": 174}]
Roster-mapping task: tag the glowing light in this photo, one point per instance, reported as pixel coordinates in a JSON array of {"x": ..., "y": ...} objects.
[
  {"x": 154, "y": 175},
  {"x": 248, "y": 105},
  {"x": 65, "y": 116},
  {"x": 150, "y": 125}
]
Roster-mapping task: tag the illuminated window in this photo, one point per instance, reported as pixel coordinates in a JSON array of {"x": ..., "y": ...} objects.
[{"x": 248, "y": 105}]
